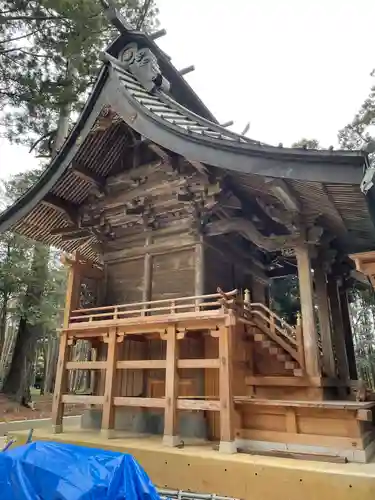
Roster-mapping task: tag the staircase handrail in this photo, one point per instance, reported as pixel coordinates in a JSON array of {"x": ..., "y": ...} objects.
[{"x": 283, "y": 324}]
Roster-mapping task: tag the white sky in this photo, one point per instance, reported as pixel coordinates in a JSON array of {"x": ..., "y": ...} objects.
[{"x": 293, "y": 68}]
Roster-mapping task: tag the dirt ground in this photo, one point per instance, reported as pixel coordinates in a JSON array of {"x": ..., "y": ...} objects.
[{"x": 43, "y": 405}]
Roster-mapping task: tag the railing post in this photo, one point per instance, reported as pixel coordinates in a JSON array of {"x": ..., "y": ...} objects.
[{"x": 299, "y": 340}]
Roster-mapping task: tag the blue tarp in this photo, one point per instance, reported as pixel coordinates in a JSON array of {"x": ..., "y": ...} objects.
[{"x": 53, "y": 471}]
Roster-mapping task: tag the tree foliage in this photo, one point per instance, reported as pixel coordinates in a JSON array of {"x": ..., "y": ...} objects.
[{"x": 49, "y": 57}]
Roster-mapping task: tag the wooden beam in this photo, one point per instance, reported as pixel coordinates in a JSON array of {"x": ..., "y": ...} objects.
[
  {"x": 86, "y": 365},
  {"x": 196, "y": 404},
  {"x": 198, "y": 363},
  {"x": 60, "y": 386},
  {"x": 139, "y": 402},
  {"x": 68, "y": 209},
  {"x": 310, "y": 338},
  {"x": 83, "y": 399},
  {"x": 170, "y": 437},
  {"x": 324, "y": 316},
  {"x": 199, "y": 267},
  {"x": 143, "y": 364},
  {"x": 284, "y": 193},
  {"x": 108, "y": 418}
]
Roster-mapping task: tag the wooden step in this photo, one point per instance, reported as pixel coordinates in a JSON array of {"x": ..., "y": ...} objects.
[
  {"x": 259, "y": 337},
  {"x": 267, "y": 344},
  {"x": 290, "y": 365},
  {"x": 298, "y": 372}
]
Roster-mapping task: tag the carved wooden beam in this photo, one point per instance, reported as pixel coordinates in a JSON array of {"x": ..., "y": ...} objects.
[
  {"x": 68, "y": 209},
  {"x": 285, "y": 194},
  {"x": 269, "y": 243}
]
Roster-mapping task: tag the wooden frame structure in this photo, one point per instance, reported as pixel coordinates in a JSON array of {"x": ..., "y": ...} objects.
[{"x": 159, "y": 206}]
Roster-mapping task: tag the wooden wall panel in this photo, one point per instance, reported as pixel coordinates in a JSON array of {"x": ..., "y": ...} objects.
[
  {"x": 125, "y": 281},
  {"x": 173, "y": 274}
]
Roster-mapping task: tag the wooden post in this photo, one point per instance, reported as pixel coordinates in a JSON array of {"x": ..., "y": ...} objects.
[
  {"x": 71, "y": 303},
  {"x": 171, "y": 437},
  {"x": 321, "y": 294},
  {"x": 338, "y": 329},
  {"x": 227, "y": 414},
  {"x": 348, "y": 334},
  {"x": 310, "y": 339},
  {"x": 108, "y": 418},
  {"x": 199, "y": 267},
  {"x": 147, "y": 274}
]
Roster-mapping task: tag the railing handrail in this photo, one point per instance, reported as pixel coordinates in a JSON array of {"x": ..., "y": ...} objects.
[
  {"x": 274, "y": 315},
  {"x": 232, "y": 293}
]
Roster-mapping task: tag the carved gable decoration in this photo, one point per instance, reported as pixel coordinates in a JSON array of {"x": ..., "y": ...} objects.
[{"x": 142, "y": 63}]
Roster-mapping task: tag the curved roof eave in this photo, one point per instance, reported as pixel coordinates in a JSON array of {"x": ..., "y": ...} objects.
[
  {"x": 62, "y": 160},
  {"x": 343, "y": 167}
]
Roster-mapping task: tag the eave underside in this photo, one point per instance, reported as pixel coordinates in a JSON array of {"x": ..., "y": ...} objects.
[{"x": 339, "y": 206}]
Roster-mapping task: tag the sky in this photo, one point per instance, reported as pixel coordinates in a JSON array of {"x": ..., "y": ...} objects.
[{"x": 292, "y": 68}]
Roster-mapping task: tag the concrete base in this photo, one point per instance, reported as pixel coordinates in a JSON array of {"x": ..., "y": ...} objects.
[
  {"x": 228, "y": 447},
  {"x": 171, "y": 440},
  {"x": 108, "y": 433},
  {"x": 190, "y": 424},
  {"x": 37, "y": 423},
  {"x": 57, "y": 429},
  {"x": 202, "y": 469}
]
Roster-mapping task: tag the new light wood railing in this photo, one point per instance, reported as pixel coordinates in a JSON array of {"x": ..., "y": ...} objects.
[{"x": 195, "y": 304}]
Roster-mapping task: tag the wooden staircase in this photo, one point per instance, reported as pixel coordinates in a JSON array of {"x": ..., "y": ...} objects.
[{"x": 274, "y": 335}]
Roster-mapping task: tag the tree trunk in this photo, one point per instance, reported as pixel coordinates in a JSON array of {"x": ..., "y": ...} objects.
[
  {"x": 51, "y": 364},
  {"x": 3, "y": 320},
  {"x": 18, "y": 379}
]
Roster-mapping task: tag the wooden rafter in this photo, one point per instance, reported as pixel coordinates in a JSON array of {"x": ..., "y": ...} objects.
[{"x": 88, "y": 175}]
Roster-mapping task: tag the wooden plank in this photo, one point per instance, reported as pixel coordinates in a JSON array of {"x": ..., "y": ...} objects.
[
  {"x": 171, "y": 386},
  {"x": 302, "y": 439},
  {"x": 198, "y": 363},
  {"x": 108, "y": 418},
  {"x": 225, "y": 380},
  {"x": 83, "y": 399},
  {"x": 139, "y": 402},
  {"x": 284, "y": 381},
  {"x": 310, "y": 338},
  {"x": 144, "y": 364},
  {"x": 324, "y": 316},
  {"x": 364, "y": 415},
  {"x": 335, "y": 405},
  {"x": 196, "y": 404},
  {"x": 86, "y": 365},
  {"x": 291, "y": 421}
]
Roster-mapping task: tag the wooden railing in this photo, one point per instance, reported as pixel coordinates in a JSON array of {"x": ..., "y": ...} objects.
[
  {"x": 194, "y": 304},
  {"x": 287, "y": 336}
]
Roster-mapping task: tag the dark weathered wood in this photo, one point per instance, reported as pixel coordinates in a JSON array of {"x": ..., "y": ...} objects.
[
  {"x": 324, "y": 316},
  {"x": 338, "y": 328},
  {"x": 63, "y": 206},
  {"x": 310, "y": 338},
  {"x": 348, "y": 334}
]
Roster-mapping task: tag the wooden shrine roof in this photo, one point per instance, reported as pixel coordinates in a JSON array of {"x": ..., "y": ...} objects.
[{"x": 323, "y": 184}]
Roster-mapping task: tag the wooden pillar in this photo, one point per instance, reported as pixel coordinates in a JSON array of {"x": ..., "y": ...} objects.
[
  {"x": 170, "y": 437},
  {"x": 338, "y": 329},
  {"x": 227, "y": 413},
  {"x": 259, "y": 292},
  {"x": 71, "y": 303},
  {"x": 324, "y": 316},
  {"x": 147, "y": 273},
  {"x": 348, "y": 334},
  {"x": 310, "y": 338},
  {"x": 199, "y": 267},
  {"x": 108, "y": 417}
]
